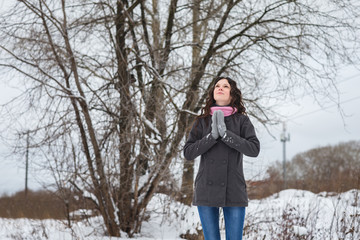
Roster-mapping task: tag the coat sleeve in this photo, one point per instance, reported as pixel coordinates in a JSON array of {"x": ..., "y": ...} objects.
[
  {"x": 248, "y": 143},
  {"x": 197, "y": 145}
]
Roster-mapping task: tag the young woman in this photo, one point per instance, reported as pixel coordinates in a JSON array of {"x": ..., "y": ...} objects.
[{"x": 221, "y": 135}]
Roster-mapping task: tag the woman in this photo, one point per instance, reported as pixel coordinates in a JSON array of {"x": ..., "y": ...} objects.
[{"x": 221, "y": 135}]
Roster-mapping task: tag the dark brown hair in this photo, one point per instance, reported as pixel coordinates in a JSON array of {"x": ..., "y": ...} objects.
[{"x": 236, "y": 98}]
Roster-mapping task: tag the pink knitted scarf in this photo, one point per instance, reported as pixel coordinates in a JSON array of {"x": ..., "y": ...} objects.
[{"x": 227, "y": 110}]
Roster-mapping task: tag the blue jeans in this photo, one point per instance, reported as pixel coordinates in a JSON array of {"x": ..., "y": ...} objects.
[{"x": 234, "y": 222}]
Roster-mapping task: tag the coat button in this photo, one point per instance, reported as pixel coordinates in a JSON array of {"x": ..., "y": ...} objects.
[
  {"x": 222, "y": 184},
  {"x": 224, "y": 161},
  {"x": 210, "y": 182}
]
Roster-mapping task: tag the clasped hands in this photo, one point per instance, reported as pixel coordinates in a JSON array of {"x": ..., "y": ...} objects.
[{"x": 218, "y": 127}]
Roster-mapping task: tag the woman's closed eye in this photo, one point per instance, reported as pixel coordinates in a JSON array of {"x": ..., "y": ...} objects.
[{"x": 225, "y": 86}]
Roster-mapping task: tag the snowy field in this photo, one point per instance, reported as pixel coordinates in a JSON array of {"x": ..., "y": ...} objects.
[{"x": 290, "y": 214}]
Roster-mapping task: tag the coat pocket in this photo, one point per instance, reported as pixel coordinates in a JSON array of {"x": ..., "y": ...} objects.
[
  {"x": 201, "y": 191},
  {"x": 236, "y": 192}
]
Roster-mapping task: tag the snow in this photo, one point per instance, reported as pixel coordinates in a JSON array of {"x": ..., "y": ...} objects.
[
  {"x": 296, "y": 214},
  {"x": 91, "y": 196},
  {"x": 299, "y": 230},
  {"x": 151, "y": 126},
  {"x": 190, "y": 112}
]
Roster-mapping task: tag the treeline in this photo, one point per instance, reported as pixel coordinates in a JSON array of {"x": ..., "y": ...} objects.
[{"x": 329, "y": 169}]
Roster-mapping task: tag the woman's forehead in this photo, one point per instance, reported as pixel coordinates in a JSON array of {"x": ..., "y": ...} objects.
[{"x": 223, "y": 81}]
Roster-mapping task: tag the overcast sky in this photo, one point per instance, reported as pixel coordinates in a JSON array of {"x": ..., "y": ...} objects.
[{"x": 311, "y": 125}]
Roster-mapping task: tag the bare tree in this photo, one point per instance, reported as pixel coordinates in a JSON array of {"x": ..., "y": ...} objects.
[
  {"x": 111, "y": 87},
  {"x": 323, "y": 169},
  {"x": 332, "y": 168}
]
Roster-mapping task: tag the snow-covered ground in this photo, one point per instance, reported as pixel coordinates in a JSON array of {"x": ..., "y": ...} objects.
[{"x": 290, "y": 214}]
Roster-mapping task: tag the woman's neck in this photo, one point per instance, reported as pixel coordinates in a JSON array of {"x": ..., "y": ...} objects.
[{"x": 222, "y": 104}]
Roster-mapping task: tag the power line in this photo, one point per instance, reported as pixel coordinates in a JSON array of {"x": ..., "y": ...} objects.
[
  {"x": 334, "y": 105},
  {"x": 350, "y": 78},
  {"x": 321, "y": 109}
]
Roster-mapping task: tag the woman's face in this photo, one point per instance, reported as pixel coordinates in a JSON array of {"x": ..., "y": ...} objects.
[{"x": 222, "y": 92}]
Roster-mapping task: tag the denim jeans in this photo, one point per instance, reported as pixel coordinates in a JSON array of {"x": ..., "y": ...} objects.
[{"x": 234, "y": 222}]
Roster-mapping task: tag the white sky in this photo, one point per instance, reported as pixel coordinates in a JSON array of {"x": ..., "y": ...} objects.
[{"x": 311, "y": 126}]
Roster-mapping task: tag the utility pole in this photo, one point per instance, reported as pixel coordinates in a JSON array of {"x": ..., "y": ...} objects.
[
  {"x": 284, "y": 139},
  {"x": 27, "y": 164}
]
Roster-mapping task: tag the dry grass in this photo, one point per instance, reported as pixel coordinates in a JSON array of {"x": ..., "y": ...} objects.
[{"x": 40, "y": 205}]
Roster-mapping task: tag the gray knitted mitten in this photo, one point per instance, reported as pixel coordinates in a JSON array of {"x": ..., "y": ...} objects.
[
  {"x": 220, "y": 123},
  {"x": 214, "y": 129}
]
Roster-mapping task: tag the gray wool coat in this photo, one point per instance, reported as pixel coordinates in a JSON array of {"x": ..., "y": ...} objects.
[{"x": 220, "y": 180}]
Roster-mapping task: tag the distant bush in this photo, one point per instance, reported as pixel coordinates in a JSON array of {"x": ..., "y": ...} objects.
[
  {"x": 330, "y": 169},
  {"x": 41, "y": 205}
]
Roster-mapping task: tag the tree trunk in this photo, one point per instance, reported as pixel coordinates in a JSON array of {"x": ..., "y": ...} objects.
[{"x": 126, "y": 112}]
